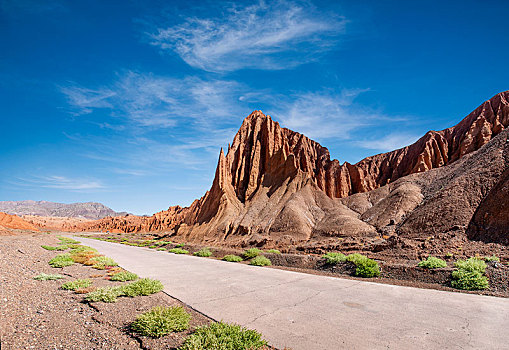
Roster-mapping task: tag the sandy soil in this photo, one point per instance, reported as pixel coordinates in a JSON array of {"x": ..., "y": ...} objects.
[{"x": 40, "y": 315}]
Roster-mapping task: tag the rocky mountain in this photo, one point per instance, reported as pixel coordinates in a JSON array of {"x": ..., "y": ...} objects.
[
  {"x": 276, "y": 187},
  {"x": 88, "y": 210},
  {"x": 8, "y": 222}
]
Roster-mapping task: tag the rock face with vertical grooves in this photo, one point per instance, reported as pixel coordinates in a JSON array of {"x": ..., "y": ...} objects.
[{"x": 274, "y": 184}]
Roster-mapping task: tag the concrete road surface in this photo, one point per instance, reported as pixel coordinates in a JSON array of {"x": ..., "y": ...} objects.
[{"x": 302, "y": 311}]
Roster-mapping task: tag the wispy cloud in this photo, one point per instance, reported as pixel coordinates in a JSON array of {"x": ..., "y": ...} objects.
[
  {"x": 61, "y": 182},
  {"x": 267, "y": 35},
  {"x": 389, "y": 142}
]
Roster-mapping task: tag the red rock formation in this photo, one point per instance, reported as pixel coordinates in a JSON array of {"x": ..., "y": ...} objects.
[
  {"x": 15, "y": 222},
  {"x": 264, "y": 157}
]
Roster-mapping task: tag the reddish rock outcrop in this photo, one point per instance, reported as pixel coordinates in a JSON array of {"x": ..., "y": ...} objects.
[
  {"x": 15, "y": 222},
  {"x": 268, "y": 169}
]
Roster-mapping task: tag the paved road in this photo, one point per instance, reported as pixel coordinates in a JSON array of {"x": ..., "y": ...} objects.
[{"x": 302, "y": 311}]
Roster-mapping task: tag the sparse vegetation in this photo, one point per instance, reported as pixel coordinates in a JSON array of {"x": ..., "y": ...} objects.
[
  {"x": 76, "y": 284},
  {"x": 232, "y": 258},
  {"x": 491, "y": 258},
  {"x": 124, "y": 276},
  {"x": 224, "y": 336},
  {"x": 66, "y": 240},
  {"x": 60, "y": 247},
  {"x": 180, "y": 245},
  {"x": 178, "y": 251},
  {"x": 334, "y": 258},
  {"x": 101, "y": 262},
  {"x": 251, "y": 253},
  {"x": 432, "y": 263},
  {"x": 365, "y": 267},
  {"x": 161, "y": 249},
  {"x": 160, "y": 321},
  {"x": 260, "y": 261},
  {"x": 273, "y": 251},
  {"x": 105, "y": 294},
  {"x": 61, "y": 260},
  {"x": 144, "y": 286},
  {"x": 470, "y": 274},
  {"x": 46, "y": 277},
  {"x": 204, "y": 252}
]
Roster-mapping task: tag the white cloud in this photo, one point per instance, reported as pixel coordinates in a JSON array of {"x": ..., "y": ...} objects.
[
  {"x": 62, "y": 182},
  {"x": 267, "y": 35},
  {"x": 389, "y": 142}
]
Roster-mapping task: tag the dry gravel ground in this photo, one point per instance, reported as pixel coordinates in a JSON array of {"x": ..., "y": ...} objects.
[{"x": 40, "y": 315}]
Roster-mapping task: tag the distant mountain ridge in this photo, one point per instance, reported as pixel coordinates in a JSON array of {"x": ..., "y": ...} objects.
[{"x": 88, "y": 210}]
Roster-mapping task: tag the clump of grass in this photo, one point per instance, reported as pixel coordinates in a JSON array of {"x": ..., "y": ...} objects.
[
  {"x": 365, "y": 267},
  {"x": 153, "y": 247},
  {"x": 273, "y": 251},
  {"x": 204, "y": 252},
  {"x": 46, "y": 277},
  {"x": 85, "y": 290},
  {"x": 66, "y": 240},
  {"x": 124, "y": 276},
  {"x": 224, "y": 336},
  {"x": 101, "y": 262},
  {"x": 144, "y": 286},
  {"x": 178, "y": 251},
  {"x": 84, "y": 257},
  {"x": 334, "y": 258},
  {"x": 432, "y": 263},
  {"x": 251, "y": 253},
  {"x": 160, "y": 321},
  {"x": 260, "y": 261},
  {"x": 491, "y": 258},
  {"x": 232, "y": 258},
  {"x": 79, "y": 283},
  {"x": 81, "y": 248},
  {"x": 60, "y": 247},
  {"x": 180, "y": 245},
  {"x": 105, "y": 294},
  {"x": 161, "y": 249},
  {"x": 61, "y": 260},
  {"x": 470, "y": 275}
]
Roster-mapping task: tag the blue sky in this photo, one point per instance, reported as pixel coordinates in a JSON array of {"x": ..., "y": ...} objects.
[{"x": 128, "y": 102}]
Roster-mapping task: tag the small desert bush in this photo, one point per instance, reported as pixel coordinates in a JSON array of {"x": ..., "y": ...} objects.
[
  {"x": 334, "y": 258},
  {"x": 124, "y": 276},
  {"x": 61, "y": 260},
  {"x": 491, "y": 258},
  {"x": 365, "y": 267},
  {"x": 432, "y": 263},
  {"x": 178, "y": 251},
  {"x": 144, "y": 286},
  {"x": 161, "y": 249},
  {"x": 60, "y": 247},
  {"x": 81, "y": 248},
  {"x": 50, "y": 277},
  {"x": 232, "y": 258},
  {"x": 79, "y": 283},
  {"x": 153, "y": 247},
  {"x": 85, "y": 290},
  {"x": 66, "y": 240},
  {"x": 105, "y": 294},
  {"x": 224, "y": 336},
  {"x": 160, "y": 321},
  {"x": 84, "y": 257},
  {"x": 101, "y": 262},
  {"x": 204, "y": 252},
  {"x": 470, "y": 275},
  {"x": 180, "y": 245},
  {"x": 260, "y": 261},
  {"x": 273, "y": 251},
  {"x": 251, "y": 253}
]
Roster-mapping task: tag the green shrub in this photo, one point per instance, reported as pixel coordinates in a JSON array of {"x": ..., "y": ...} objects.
[
  {"x": 469, "y": 275},
  {"x": 491, "y": 258},
  {"x": 469, "y": 280},
  {"x": 432, "y": 263},
  {"x": 472, "y": 265},
  {"x": 144, "y": 286},
  {"x": 101, "y": 262},
  {"x": 180, "y": 245},
  {"x": 232, "y": 258},
  {"x": 76, "y": 284},
  {"x": 260, "y": 261},
  {"x": 251, "y": 253},
  {"x": 160, "y": 321},
  {"x": 273, "y": 251},
  {"x": 61, "y": 260},
  {"x": 334, "y": 258},
  {"x": 60, "y": 247},
  {"x": 124, "y": 276},
  {"x": 105, "y": 294},
  {"x": 66, "y": 240},
  {"x": 365, "y": 267},
  {"x": 178, "y": 251},
  {"x": 224, "y": 336},
  {"x": 153, "y": 247},
  {"x": 50, "y": 277},
  {"x": 161, "y": 249},
  {"x": 82, "y": 248},
  {"x": 204, "y": 252}
]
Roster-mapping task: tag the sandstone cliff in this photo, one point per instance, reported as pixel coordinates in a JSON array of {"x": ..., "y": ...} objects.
[{"x": 15, "y": 222}]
